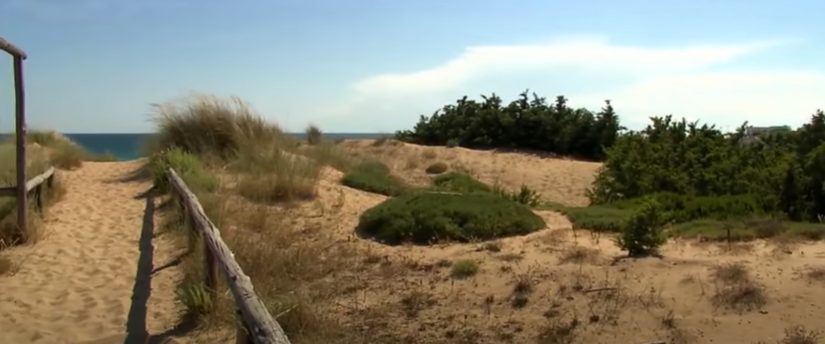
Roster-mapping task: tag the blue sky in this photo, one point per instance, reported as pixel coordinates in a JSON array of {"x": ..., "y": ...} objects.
[{"x": 376, "y": 65}]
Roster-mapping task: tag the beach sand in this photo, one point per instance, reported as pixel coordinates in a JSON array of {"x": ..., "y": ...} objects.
[{"x": 90, "y": 277}]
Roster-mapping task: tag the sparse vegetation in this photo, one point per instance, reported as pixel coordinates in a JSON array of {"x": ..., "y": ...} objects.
[{"x": 737, "y": 290}]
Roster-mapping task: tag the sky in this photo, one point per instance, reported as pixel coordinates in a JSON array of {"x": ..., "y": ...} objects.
[{"x": 374, "y": 66}]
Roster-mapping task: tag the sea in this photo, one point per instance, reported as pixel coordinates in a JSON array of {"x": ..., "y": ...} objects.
[{"x": 130, "y": 146}]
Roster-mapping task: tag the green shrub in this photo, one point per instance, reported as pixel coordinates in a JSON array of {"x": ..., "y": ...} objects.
[
  {"x": 745, "y": 173},
  {"x": 314, "y": 135},
  {"x": 464, "y": 268},
  {"x": 186, "y": 165},
  {"x": 426, "y": 217},
  {"x": 642, "y": 234},
  {"x": 373, "y": 176},
  {"x": 600, "y": 218},
  {"x": 525, "y": 195},
  {"x": 459, "y": 182},
  {"x": 436, "y": 168},
  {"x": 527, "y": 123}
]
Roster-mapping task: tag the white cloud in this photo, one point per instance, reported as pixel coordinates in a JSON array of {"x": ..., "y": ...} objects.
[
  {"x": 587, "y": 54},
  {"x": 693, "y": 81},
  {"x": 723, "y": 98}
]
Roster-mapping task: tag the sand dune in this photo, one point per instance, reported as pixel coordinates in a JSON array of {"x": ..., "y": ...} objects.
[{"x": 78, "y": 284}]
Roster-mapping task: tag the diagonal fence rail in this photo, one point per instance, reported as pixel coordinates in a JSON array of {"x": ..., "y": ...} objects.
[{"x": 256, "y": 324}]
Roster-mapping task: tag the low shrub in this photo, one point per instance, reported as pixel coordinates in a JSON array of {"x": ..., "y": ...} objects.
[
  {"x": 186, "y": 165},
  {"x": 459, "y": 182},
  {"x": 373, "y": 176},
  {"x": 436, "y": 168},
  {"x": 600, "y": 218},
  {"x": 525, "y": 195},
  {"x": 641, "y": 234},
  {"x": 427, "y": 217},
  {"x": 314, "y": 135},
  {"x": 464, "y": 268}
]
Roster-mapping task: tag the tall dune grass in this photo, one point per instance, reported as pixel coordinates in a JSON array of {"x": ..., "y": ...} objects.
[
  {"x": 38, "y": 162},
  {"x": 265, "y": 167}
]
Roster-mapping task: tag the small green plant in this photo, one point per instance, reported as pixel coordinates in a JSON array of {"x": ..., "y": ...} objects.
[
  {"x": 642, "y": 234},
  {"x": 464, "y": 268},
  {"x": 195, "y": 298},
  {"x": 437, "y": 168},
  {"x": 186, "y": 165},
  {"x": 314, "y": 135},
  {"x": 452, "y": 143},
  {"x": 526, "y": 195}
]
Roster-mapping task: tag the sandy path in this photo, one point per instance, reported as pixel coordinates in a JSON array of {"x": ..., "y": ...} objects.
[{"x": 78, "y": 284}]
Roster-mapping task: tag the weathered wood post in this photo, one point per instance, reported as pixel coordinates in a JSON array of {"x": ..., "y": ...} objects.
[{"x": 20, "y": 130}]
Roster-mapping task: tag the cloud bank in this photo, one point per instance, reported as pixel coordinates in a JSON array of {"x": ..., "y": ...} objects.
[{"x": 694, "y": 81}]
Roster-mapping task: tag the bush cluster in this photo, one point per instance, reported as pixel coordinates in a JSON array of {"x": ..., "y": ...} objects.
[
  {"x": 426, "y": 217},
  {"x": 526, "y": 123},
  {"x": 718, "y": 174}
]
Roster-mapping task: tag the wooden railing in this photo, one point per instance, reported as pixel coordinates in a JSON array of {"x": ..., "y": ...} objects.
[
  {"x": 18, "y": 56},
  {"x": 33, "y": 185},
  {"x": 256, "y": 325}
]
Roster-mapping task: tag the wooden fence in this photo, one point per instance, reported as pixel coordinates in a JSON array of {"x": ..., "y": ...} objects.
[
  {"x": 33, "y": 185},
  {"x": 256, "y": 325},
  {"x": 18, "y": 56}
]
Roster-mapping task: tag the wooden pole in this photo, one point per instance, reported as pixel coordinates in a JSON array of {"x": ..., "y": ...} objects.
[
  {"x": 11, "y": 49},
  {"x": 20, "y": 114}
]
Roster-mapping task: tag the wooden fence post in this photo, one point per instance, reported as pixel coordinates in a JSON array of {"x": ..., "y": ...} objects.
[
  {"x": 20, "y": 114},
  {"x": 241, "y": 332},
  {"x": 211, "y": 280},
  {"x": 38, "y": 197}
]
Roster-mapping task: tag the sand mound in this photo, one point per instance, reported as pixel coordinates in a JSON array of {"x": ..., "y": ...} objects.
[{"x": 557, "y": 180}]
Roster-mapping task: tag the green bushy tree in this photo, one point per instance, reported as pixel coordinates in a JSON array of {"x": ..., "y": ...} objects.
[
  {"x": 527, "y": 123},
  {"x": 642, "y": 234}
]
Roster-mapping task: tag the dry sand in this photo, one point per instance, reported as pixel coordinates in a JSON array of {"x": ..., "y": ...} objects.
[
  {"x": 406, "y": 292},
  {"x": 78, "y": 283},
  {"x": 526, "y": 289},
  {"x": 642, "y": 300}
]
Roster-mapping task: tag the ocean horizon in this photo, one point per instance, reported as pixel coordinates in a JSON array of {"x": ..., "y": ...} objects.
[{"x": 130, "y": 146}]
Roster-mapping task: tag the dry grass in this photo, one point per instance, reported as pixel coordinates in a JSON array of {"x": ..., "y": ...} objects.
[
  {"x": 736, "y": 289},
  {"x": 268, "y": 169},
  {"x": 39, "y": 159},
  {"x": 579, "y": 255}
]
